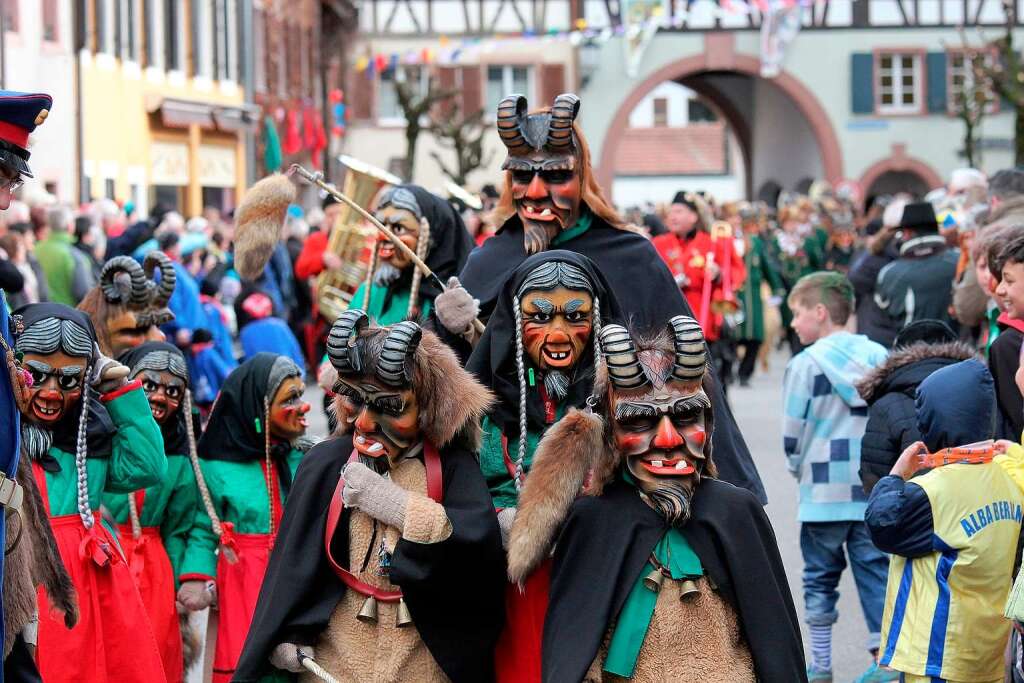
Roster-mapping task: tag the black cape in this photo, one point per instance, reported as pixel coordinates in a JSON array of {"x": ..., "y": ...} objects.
[
  {"x": 493, "y": 360},
  {"x": 648, "y": 294},
  {"x": 606, "y": 542},
  {"x": 454, "y": 589},
  {"x": 175, "y": 432},
  {"x": 99, "y": 427}
]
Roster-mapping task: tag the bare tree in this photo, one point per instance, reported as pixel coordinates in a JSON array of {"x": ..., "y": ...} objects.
[
  {"x": 997, "y": 68},
  {"x": 971, "y": 102},
  {"x": 416, "y": 109},
  {"x": 463, "y": 135}
]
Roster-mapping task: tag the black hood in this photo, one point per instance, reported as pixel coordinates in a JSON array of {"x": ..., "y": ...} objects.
[
  {"x": 493, "y": 361},
  {"x": 907, "y": 367},
  {"x": 175, "y": 432}
]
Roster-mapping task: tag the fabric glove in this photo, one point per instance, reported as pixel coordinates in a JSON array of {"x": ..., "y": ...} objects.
[
  {"x": 380, "y": 498},
  {"x": 456, "y": 308},
  {"x": 505, "y": 519},
  {"x": 196, "y": 595},
  {"x": 107, "y": 375},
  {"x": 286, "y": 657}
]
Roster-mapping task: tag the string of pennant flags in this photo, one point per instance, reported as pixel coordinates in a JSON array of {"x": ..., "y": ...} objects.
[{"x": 452, "y": 52}]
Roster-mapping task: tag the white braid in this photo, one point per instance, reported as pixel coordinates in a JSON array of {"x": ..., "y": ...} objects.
[
  {"x": 521, "y": 373},
  {"x": 204, "y": 491},
  {"x": 422, "y": 247},
  {"x": 368, "y": 283},
  {"x": 596, "y": 331},
  {"x": 81, "y": 453}
]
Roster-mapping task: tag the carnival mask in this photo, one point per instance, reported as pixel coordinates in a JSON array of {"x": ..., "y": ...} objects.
[
  {"x": 385, "y": 420},
  {"x": 660, "y": 416},
  {"x": 57, "y": 385},
  {"x": 129, "y": 329},
  {"x": 543, "y": 167},
  {"x": 406, "y": 227},
  {"x": 164, "y": 391},
  {"x": 288, "y": 411}
]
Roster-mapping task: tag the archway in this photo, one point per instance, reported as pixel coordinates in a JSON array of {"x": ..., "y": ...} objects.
[
  {"x": 690, "y": 71},
  {"x": 899, "y": 173}
]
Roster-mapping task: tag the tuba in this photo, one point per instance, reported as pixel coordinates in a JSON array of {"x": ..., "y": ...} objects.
[{"x": 351, "y": 239}]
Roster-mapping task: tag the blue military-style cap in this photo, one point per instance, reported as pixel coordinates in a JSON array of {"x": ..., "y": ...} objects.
[{"x": 20, "y": 113}]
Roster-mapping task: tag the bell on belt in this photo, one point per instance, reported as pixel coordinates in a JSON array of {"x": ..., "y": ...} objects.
[
  {"x": 369, "y": 611},
  {"x": 402, "y": 618},
  {"x": 652, "y": 581},
  {"x": 688, "y": 589}
]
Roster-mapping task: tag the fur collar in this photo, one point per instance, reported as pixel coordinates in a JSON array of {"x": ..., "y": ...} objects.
[{"x": 873, "y": 381}]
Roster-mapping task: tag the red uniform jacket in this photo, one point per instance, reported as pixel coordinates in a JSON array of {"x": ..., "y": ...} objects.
[
  {"x": 311, "y": 259},
  {"x": 686, "y": 259}
]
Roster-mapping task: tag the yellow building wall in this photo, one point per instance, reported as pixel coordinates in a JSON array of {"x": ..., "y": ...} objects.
[{"x": 117, "y": 128}]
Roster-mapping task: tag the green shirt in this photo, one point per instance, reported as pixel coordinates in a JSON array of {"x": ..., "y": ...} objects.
[
  {"x": 398, "y": 306},
  {"x": 240, "y": 496},
  {"x": 136, "y": 460},
  {"x": 58, "y": 263}
]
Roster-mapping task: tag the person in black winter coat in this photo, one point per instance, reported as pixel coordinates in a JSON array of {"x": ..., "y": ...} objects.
[
  {"x": 920, "y": 349},
  {"x": 872, "y": 321}
]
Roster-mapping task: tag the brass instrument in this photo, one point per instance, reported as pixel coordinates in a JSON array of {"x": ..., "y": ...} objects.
[
  {"x": 723, "y": 299},
  {"x": 351, "y": 238}
]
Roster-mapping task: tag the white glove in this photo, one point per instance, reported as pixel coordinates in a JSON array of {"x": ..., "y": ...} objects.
[
  {"x": 286, "y": 657},
  {"x": 380, "y": 498},
  {"x": 107, "y": 375},
  {"x": 505, "y": 519},
  {"x": 456, "y": 308}
]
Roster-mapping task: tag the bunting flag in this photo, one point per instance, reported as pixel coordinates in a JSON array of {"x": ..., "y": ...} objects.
[
  {"x": 292, "y": 141},
  {"x": 271, "y": 146}
]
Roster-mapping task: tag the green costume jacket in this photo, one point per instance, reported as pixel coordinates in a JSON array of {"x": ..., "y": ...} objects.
[
  {"x": 759, "y": 268},
  {"x": 808, "y": 259},
  {"x": 136, "y": 460},
  {"x": 171, "y": 505},
  {"x": 240, "y": 496},
  {"x": 397, "y": 308},
  {"x": 54, "y": 255}
]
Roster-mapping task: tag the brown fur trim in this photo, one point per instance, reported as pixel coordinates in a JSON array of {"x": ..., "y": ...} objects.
[
  {"x": 560, "y": 465},
  {"x": 259, "y": 219},
  {"x": 452, "y": 402},
  {"x": 99, "y": 311},
  {"x": 191, "y": 642},
  {"x": 870, "y": 383}
]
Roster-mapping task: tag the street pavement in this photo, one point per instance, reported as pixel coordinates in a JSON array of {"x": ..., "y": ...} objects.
[{"x": 758, "y": 411}]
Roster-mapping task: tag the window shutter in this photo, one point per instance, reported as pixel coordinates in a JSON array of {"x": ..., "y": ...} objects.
[
  {"x": 935, "y": 65},
  {"x": 552, "y": 83},
  {"x": 360, "y": 94},
  {"x": 472, "y": 90},
  {"x": 862, "y": 83},
  {"x": 446, "y": 81}
]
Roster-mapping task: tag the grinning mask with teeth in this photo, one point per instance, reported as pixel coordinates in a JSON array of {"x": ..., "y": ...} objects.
[
  {"x": 57, "y": 353},
  {"x": 659, "y": 414},
  {"x": 399, "y": 210},
  {"x": 556, "y": 309},
  {"x": 164, "y": 376},
  {"x": 543, "y": 166}
]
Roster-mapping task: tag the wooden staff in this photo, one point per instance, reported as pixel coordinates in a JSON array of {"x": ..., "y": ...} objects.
[{"x": 318, "y": 180}]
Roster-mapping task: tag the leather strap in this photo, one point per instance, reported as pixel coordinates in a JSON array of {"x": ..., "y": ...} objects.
[{"x": 435, "y": 489}]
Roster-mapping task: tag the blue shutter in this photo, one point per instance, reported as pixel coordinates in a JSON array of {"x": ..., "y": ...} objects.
[
  {"x": 935, "y": 65},
  {"x": 862, "y": 83}
]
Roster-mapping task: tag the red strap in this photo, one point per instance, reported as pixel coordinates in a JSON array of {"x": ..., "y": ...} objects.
[
  {"x": 435, "y": 489},
  {"x": 140, "y": 500}
]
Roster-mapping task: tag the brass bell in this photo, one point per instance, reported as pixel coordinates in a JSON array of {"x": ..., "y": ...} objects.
[
  {"x": 652, "y": 581},
  {"x": 369, "y": 611},
  {"x": 688, "y": 589},
  {"x": 402, "y": 617}
]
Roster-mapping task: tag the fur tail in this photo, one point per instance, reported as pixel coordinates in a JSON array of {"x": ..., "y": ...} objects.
[
  {"x": 49, "y": 568},
  {"x": 191, "y": 642},
  {"x": 563, "y": 459}
]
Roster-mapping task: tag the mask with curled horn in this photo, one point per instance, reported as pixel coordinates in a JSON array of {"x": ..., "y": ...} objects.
[
  {"x": 543, "y": 166},
  {"x": 658, "y": 412},
  {"x": 130, "y": 303}
]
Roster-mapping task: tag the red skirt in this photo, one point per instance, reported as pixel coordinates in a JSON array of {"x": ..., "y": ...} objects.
[
  {"x": 151, "y": 569},
  {"x": 517, "y": 658},
  {"x": 113, "y": 640},
  {"x": 238, "y": 587}
]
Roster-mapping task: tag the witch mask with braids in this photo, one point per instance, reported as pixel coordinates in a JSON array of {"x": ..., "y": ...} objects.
[{"x": 129, "y": 304}]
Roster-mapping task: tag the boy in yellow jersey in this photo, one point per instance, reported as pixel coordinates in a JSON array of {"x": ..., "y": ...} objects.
[{"x": 953, "y": 535}]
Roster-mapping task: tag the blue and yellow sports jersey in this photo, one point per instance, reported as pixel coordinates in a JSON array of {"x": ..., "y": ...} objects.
[{"x": 944, "y": 610}]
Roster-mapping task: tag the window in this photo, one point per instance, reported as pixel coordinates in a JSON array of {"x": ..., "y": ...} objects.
[
  {"x": 660, "y": 105},
  {"x": 174, "y": 38},
  {"x": 507, "y": 80},
  {"x": 10, "y": 15},
  {"x": 899, "y": 83},
  {"x": 960, "y": 75},
  {"x": 259, "y": 47},
  {"x": 387, "y": 95},
  {"x": 224, "y": 39},
  {"x": 51, "y": 20},
  {"x": 108, "y": 188},
  {"x": 154, "y": 35},
  {"x": 104, "y": 25},
  {"x": 127, "y": 38}
]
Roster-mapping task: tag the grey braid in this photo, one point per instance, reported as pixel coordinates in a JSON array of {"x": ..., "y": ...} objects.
[
  {"x": 204, "y": 491},
  {"x": 368, "y": 283},
  {"x": 81, "y": 453},
  {"x": 595, "y": 331},
  {"x": 422, "y": 247},
  {"x": 521, "y": 374},
  {"x": 133, "y": 516},
  {"x": 269, "y": 476}
]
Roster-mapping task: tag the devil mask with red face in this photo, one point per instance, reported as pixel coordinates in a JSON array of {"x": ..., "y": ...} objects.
[
  {"x": 658, "y": 414},
  {"x": 543, "y": 162}
]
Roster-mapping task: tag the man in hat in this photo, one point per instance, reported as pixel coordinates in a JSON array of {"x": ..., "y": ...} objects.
[
  {"x": 660, "y": 570},
  {"x": 918, "y": 284},
  {"x": 552, "y": 200}
]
